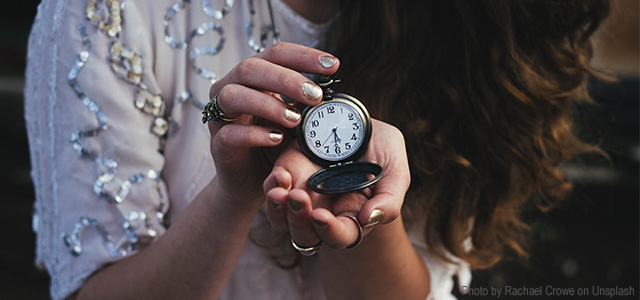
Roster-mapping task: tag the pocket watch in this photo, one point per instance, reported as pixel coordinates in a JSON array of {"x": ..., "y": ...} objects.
[{"x": 334, "y": 134}]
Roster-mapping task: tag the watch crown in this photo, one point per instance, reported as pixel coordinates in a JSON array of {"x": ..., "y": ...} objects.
[{"x": 325, "y": 81}]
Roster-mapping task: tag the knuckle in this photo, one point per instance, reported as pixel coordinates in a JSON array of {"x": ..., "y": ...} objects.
[
  {"x": 228, "y": 91},
  {"x": 227, "y": 95},
  {"x": 282, "y": 78},
  {"x": 247, "y": 67},
  {"x": 274, "y": 50},
  {"x": 224, "y": 136}
]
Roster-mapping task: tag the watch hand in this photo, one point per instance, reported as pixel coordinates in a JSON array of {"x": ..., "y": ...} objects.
[{"x": 325, "y": 141}]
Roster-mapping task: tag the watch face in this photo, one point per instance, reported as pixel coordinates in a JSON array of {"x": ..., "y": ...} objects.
[{"x": 336, "y": 130}]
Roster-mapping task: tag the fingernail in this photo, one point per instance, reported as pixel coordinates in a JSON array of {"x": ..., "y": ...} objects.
[
  {"x": 318, "y": 223},
  {"x": 276, "y": 205},
  {"x": 296, "y": 205},
  {"x": 375, "y": 218},
  {"x": 328, "y": 61},
  {"x": 311, "y": 91},
  {"x": 275, "y": 136},
  {"x": 292, "y": 114}
]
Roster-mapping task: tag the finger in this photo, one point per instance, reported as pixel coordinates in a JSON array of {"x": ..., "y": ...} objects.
[
  {"x": 336, "y": 232},
  {"x": 387, "y": 200},
  {"x": 279, "y": 177},
  {"x": 299, "y": 218},
  {"x": 264, "y": 75},
  {"x": 297, "y": 165},
  {"x": 235, "y": 100},
  {"x": 301, "y": 58},
  {"x": 389, "y": 192},
  {"x": 276, "y": 208},
  {"x": 278, "y": 68},
  {"x": 231, "y": 137}
]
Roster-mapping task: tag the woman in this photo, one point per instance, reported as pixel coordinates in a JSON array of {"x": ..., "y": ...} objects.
[{"x": 481, "y": 92}]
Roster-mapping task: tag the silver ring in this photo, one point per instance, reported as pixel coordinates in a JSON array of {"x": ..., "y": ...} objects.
[
  {"x": 306, "y": 251},
  {"x": 359, "y": 238},
  {"x": 212, "y": 111}
]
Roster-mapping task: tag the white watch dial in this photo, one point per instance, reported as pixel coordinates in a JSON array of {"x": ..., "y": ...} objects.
[{"x": 334, "y": 130}]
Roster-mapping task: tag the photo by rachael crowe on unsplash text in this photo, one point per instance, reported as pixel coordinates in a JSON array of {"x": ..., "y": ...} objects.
[{"x": 548, "y": 291}]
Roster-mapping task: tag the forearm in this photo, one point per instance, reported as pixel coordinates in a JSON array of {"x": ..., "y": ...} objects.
[
  {"x": 384, "y": 266},
  {"x": 192, "y": 260}
]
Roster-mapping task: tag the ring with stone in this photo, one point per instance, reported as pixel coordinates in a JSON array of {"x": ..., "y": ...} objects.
[{"x": 212, "y": 111}]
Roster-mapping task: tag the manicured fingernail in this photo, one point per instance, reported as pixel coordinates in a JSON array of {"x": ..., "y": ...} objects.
[
  {"x": 311, "y": 91},
  {"x": 296, "y": 205},
  {"x": 328, "y": 61},
  {"x": 292, "y": 114},
  {"x": 275, "y": 136},
  {"x": 276, "y": 205},
  {"x": 318, "y": 223},
  {"x": 375, "y": 218}
]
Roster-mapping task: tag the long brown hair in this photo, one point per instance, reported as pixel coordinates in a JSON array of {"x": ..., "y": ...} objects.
[{"x": 484, "y": 92}]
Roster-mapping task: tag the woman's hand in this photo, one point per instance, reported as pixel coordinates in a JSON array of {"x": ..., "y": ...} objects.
[
  {"x": 311, "y": 217},
  {"x": 252, "y": 90}
]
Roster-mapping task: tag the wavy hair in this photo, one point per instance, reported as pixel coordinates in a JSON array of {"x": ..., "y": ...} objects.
[{"x": 484, "y": 92}]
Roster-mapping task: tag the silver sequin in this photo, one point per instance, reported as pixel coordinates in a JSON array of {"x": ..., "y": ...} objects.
[
  {"x": 72, "y": 241},
  {"x": 216, "y": 14},
  {"x": 207, "y": 50}
]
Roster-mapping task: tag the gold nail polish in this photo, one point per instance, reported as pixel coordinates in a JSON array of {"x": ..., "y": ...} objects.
[
  {"x": 292, "y": 114},
  {"x": 375, "y": 218},
  {"x": 275, "y": 136},
  {"x": 296, "y": 205},
  {"x": 311, "y": 91},
  {"x": 328, "y": 61}
]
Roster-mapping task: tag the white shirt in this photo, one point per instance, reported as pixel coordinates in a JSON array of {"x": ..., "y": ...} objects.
[{"x": 102, "y": 76}]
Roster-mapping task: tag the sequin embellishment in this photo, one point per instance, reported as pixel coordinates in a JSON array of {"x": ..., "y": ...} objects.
[
  {"x": 107, "y": 185},
  {"x": 216, "y": 14},
  {"x": 127, "y": 64},
  {"x": 107, "y": 17}
]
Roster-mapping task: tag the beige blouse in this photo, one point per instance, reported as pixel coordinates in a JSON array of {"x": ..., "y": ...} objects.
[{"x": 113, "y": 95}]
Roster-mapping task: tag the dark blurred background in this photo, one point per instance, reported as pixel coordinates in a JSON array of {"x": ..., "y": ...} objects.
[{"x": 592, "y": 239}]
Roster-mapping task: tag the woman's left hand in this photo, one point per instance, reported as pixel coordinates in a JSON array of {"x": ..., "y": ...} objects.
[{"x": 311, "y": 217}]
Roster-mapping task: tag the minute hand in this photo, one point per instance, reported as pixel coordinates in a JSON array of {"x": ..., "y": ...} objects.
[{"x": 332, "y": 132}]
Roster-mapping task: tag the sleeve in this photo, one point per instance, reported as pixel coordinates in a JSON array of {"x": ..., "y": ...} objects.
[
  {"x": 442, "y": 268},
  {"x": 95, "y": 124}
]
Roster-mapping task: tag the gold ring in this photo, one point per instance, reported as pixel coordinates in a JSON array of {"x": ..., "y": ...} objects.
[
  {"x": 307, "y": 251},
  {"x": 212, "y": 111},
  {"x": 359, "y": 238}
]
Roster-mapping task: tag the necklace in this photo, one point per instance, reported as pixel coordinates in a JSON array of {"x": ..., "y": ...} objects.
[{"x": 264, "y": 30}]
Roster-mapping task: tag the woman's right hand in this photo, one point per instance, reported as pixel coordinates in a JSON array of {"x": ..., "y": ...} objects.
[{"x": 251, "y": 90}]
